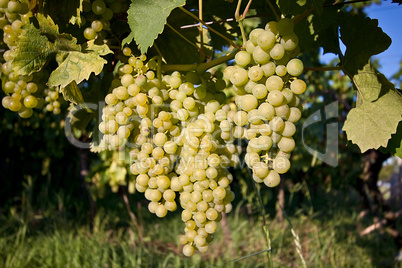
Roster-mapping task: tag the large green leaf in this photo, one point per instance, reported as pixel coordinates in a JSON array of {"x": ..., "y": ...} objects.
[
  {"x": 377, "y": 113},
  {"x": 147, "y": 19},
  {"x": 363, "y": 39}
]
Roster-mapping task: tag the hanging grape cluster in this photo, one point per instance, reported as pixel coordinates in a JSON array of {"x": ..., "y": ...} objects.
[
  {"x": 176, "y": 121},
  {"x": 24, "y": 92},
  {"x": 185, "y": 132},
  {"x": 266, "y": 87},
  {"x": 97, "y": 15}
]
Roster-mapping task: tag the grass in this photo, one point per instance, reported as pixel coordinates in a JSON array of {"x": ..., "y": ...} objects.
[{"x": 58, "y": 237}]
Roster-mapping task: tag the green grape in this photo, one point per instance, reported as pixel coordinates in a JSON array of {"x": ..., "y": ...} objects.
[
  {"x": 269, "y": 68},
  {"x": 260, "y": 91},
  {"x": 25, "y": 112},
  {"x": 266, "y": 111},
  {"x": 266, "y": 40},
  {"x": 277, "y": 124},
  {"x": 272, "y": 27},
  {"x": 282, "y": 111},
  {"x": 295, "y": 67},
  {"x": 260, "y": 169},
  {"x": 107, "y": 14},
  {"x": 281, "y": 70},
  {"x": 260, "y": 56},
  {"x": 277, "y": 52},
  {"x": 272, "y": 179},
  {"x": 274, "y": 83},
  {"x": 290, "y": 42},
  {"x": 286, "y": 144},
  {"x": 275, "y": 97},
  {"x": 298, "y": 86},
  {"x": 239, "y": 77},
  {"x": 13, "y": 6},
  {"x": 188, "y": 250},
  {"x": 97, "y": 26},
  {"x": 289, "y": 130},
  {"x": 240, "y": 118},
  {"x": 6, "y": 102},
  {"x": 294, "y": 115},
  {"x": 89, "y": 33},
  {"x": 243, "y": 58},
  {"x": 250, "y": 47},
  {"x": 285, "y": 26},
  {"x": 248, "y": 102},
  {"x": 30, "y": 101},
  {"x": 4, "y": 3},
  {"x": 14, "y": 105},
  {"x": 253, "y": 36},
  {"x": 255, "y": 73},
  {"x": 98, "y": 7},
  {"x": 281, "y": 164}
]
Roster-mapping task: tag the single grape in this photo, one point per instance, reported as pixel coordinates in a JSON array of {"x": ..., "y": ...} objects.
[
  {"x": 275, "y": 97},
  {"x": 239, "y": 77},
  {"x": 281, "y": 164},
  {"x": 97, "y": 26},
  {"x": 285, "y": 26},
  {"x": 295, "y": 67},
  {"x": 260, "y": 56},
  {"x": 89, "y": 33},
  {"x": 298, "y": 86},
  {"x": 266, "y": 40},
  {"x": 277, "y": 52},
  {"x": 242, "y": 58},
  {"x": 98, "y": 7}
]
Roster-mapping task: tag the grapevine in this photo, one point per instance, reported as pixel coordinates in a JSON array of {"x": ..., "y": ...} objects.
[{"x": 182, "y": 125}]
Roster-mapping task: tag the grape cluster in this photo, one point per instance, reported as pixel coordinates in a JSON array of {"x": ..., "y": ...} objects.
[
  {"x": 23, "y": 92},
  {"x": 266, "y": 91},
  {"x": 175, "y": 122},
  {"x": 98, "y": 14}
]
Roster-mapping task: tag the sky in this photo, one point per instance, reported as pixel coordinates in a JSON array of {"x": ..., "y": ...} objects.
[{"x": 389, "y": 16}]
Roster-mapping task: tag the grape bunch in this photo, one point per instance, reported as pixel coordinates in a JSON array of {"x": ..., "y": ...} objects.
[
  {"x": 24, "y": 92},
  {"x": 175, "y": 123},
  {"x": 98, "y": 14},
  {"x": 266, "y": 91}
]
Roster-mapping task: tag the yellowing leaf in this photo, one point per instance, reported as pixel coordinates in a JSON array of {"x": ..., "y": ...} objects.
[
  {"x": 78, "y": 66},
  {"x": 378, "y": 112}
]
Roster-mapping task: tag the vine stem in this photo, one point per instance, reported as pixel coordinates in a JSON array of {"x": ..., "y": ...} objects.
[
  {"x": 201, "y": 29},
  {"x": 345, "y": 3},
  {"x": 277, "y": 17},
  {"x": 240, "y": 18},
  {"x": 209, "y": 28},
  {"x": 323, "y": 69},
  {"x": 184, "y": 38},
  {"x": 200, "y": 68}
]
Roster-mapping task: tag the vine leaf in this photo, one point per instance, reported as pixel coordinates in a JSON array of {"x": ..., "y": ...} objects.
[
  {"x": 78, "y": 66},
  {"x": 378, "y": 110},
  {"x": 147, "y": 19},
  {"x": 363, "y": 39},
  {"x": 32, "y": 51},
  {"x": 72, "y": 93},
  {"x": 395, "y": 143},
  {"x": 36, "y": 46}
]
